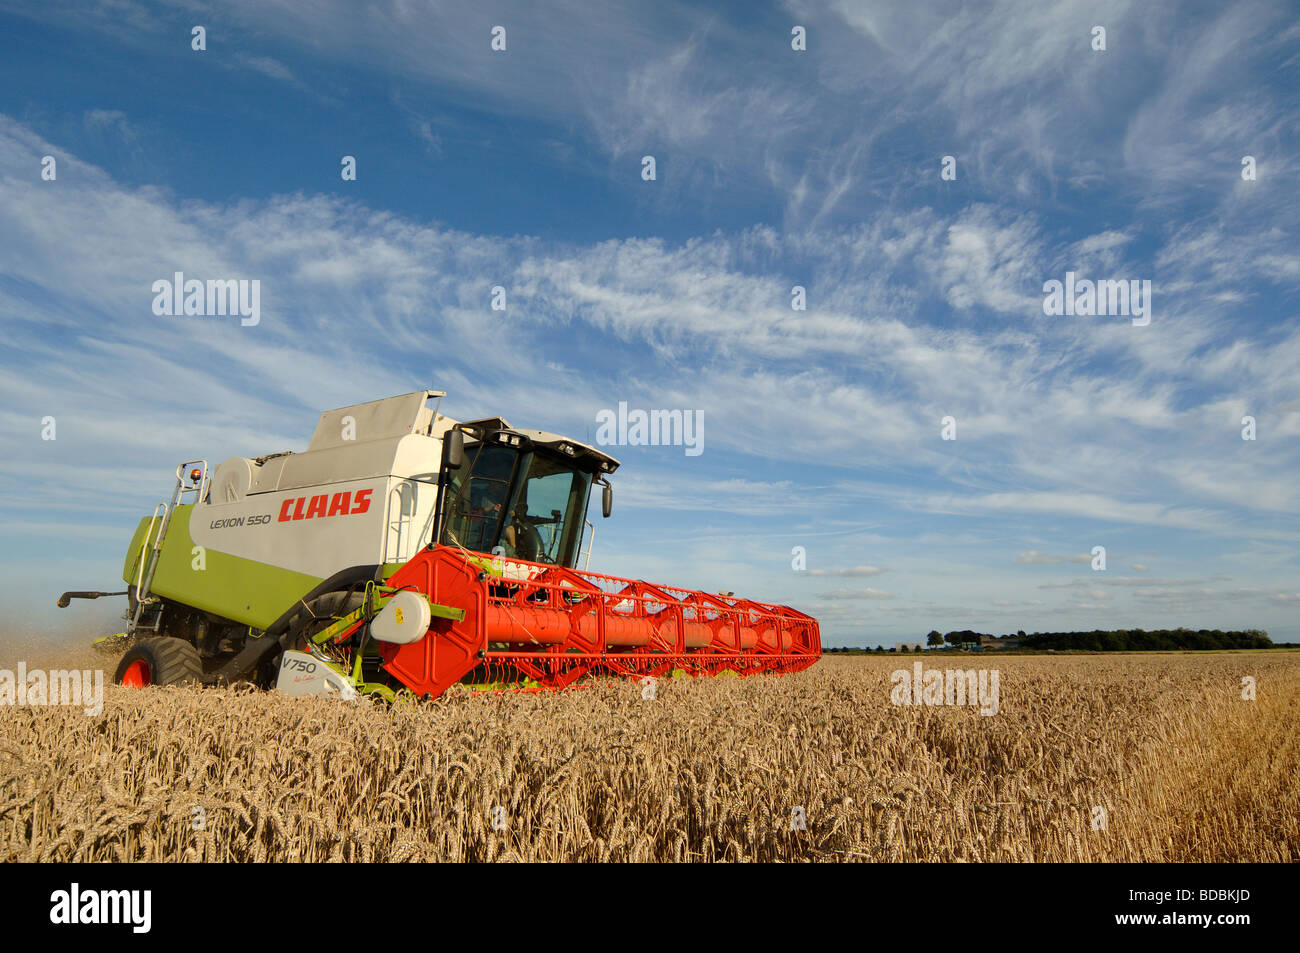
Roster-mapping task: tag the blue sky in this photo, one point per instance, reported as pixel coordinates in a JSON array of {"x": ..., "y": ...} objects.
[{"x": 775, "y": 168}]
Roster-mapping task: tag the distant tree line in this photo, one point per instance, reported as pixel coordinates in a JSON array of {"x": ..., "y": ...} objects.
[
  {"x": 1139, "y": 640},
  {"x": 1119, "y": 640},
  {"x": 1122, "y": 640}
]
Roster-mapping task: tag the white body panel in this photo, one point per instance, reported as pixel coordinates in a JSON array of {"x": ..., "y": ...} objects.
[
  {"x": 363, "y": 492},
  {"x": 374, "y": 521}
]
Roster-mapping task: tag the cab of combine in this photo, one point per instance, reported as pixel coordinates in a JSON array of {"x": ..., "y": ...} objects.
[{"x": 518, "y": 493}]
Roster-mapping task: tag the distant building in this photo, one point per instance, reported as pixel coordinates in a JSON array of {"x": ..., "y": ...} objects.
[{"x": 909, "y": 646}]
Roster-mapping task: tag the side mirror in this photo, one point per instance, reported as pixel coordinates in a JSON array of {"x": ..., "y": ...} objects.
[
  {"x": 453, "y": 450},
  {"x": 607, "y": 501}
]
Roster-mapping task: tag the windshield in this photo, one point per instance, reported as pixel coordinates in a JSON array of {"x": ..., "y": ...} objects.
[
  {"x": 475, "y": 505},
  {"x": 545, "y": 523},
  {"x": 547, "y": 503}
]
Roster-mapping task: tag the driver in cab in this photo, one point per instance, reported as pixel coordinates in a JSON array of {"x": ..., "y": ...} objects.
[{"x": 521, "y": 537}]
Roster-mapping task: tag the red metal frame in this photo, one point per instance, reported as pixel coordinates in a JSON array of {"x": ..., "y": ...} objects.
[{"x": 555, "y": 625}]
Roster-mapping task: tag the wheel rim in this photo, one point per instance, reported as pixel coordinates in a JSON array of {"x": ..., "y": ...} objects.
[{"x": 137, "y": 674}]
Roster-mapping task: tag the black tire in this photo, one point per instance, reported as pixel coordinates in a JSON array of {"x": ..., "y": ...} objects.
[{"x": 159, "y": 661}]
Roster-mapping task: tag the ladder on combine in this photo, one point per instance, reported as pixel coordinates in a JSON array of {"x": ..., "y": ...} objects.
[{"x": 151, "y": 549}]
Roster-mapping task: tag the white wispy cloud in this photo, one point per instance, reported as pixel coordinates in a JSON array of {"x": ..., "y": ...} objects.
[
  {"x": 866, "y": 592},
  {"x": 267, "y": 66},
  {"x": 849, "y": 571}
]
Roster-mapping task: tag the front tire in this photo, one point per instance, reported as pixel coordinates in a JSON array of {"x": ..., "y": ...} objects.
[{"x": 159, "y": 661}]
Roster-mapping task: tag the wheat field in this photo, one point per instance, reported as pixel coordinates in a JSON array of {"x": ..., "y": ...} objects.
[{"x": 1089, "y": 758}]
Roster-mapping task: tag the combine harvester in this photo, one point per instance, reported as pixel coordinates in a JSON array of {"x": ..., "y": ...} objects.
[{"x": 404, "y": 549}]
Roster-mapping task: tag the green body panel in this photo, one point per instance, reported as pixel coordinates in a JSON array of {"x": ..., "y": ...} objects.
[{"x": 246, "y": 591}]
